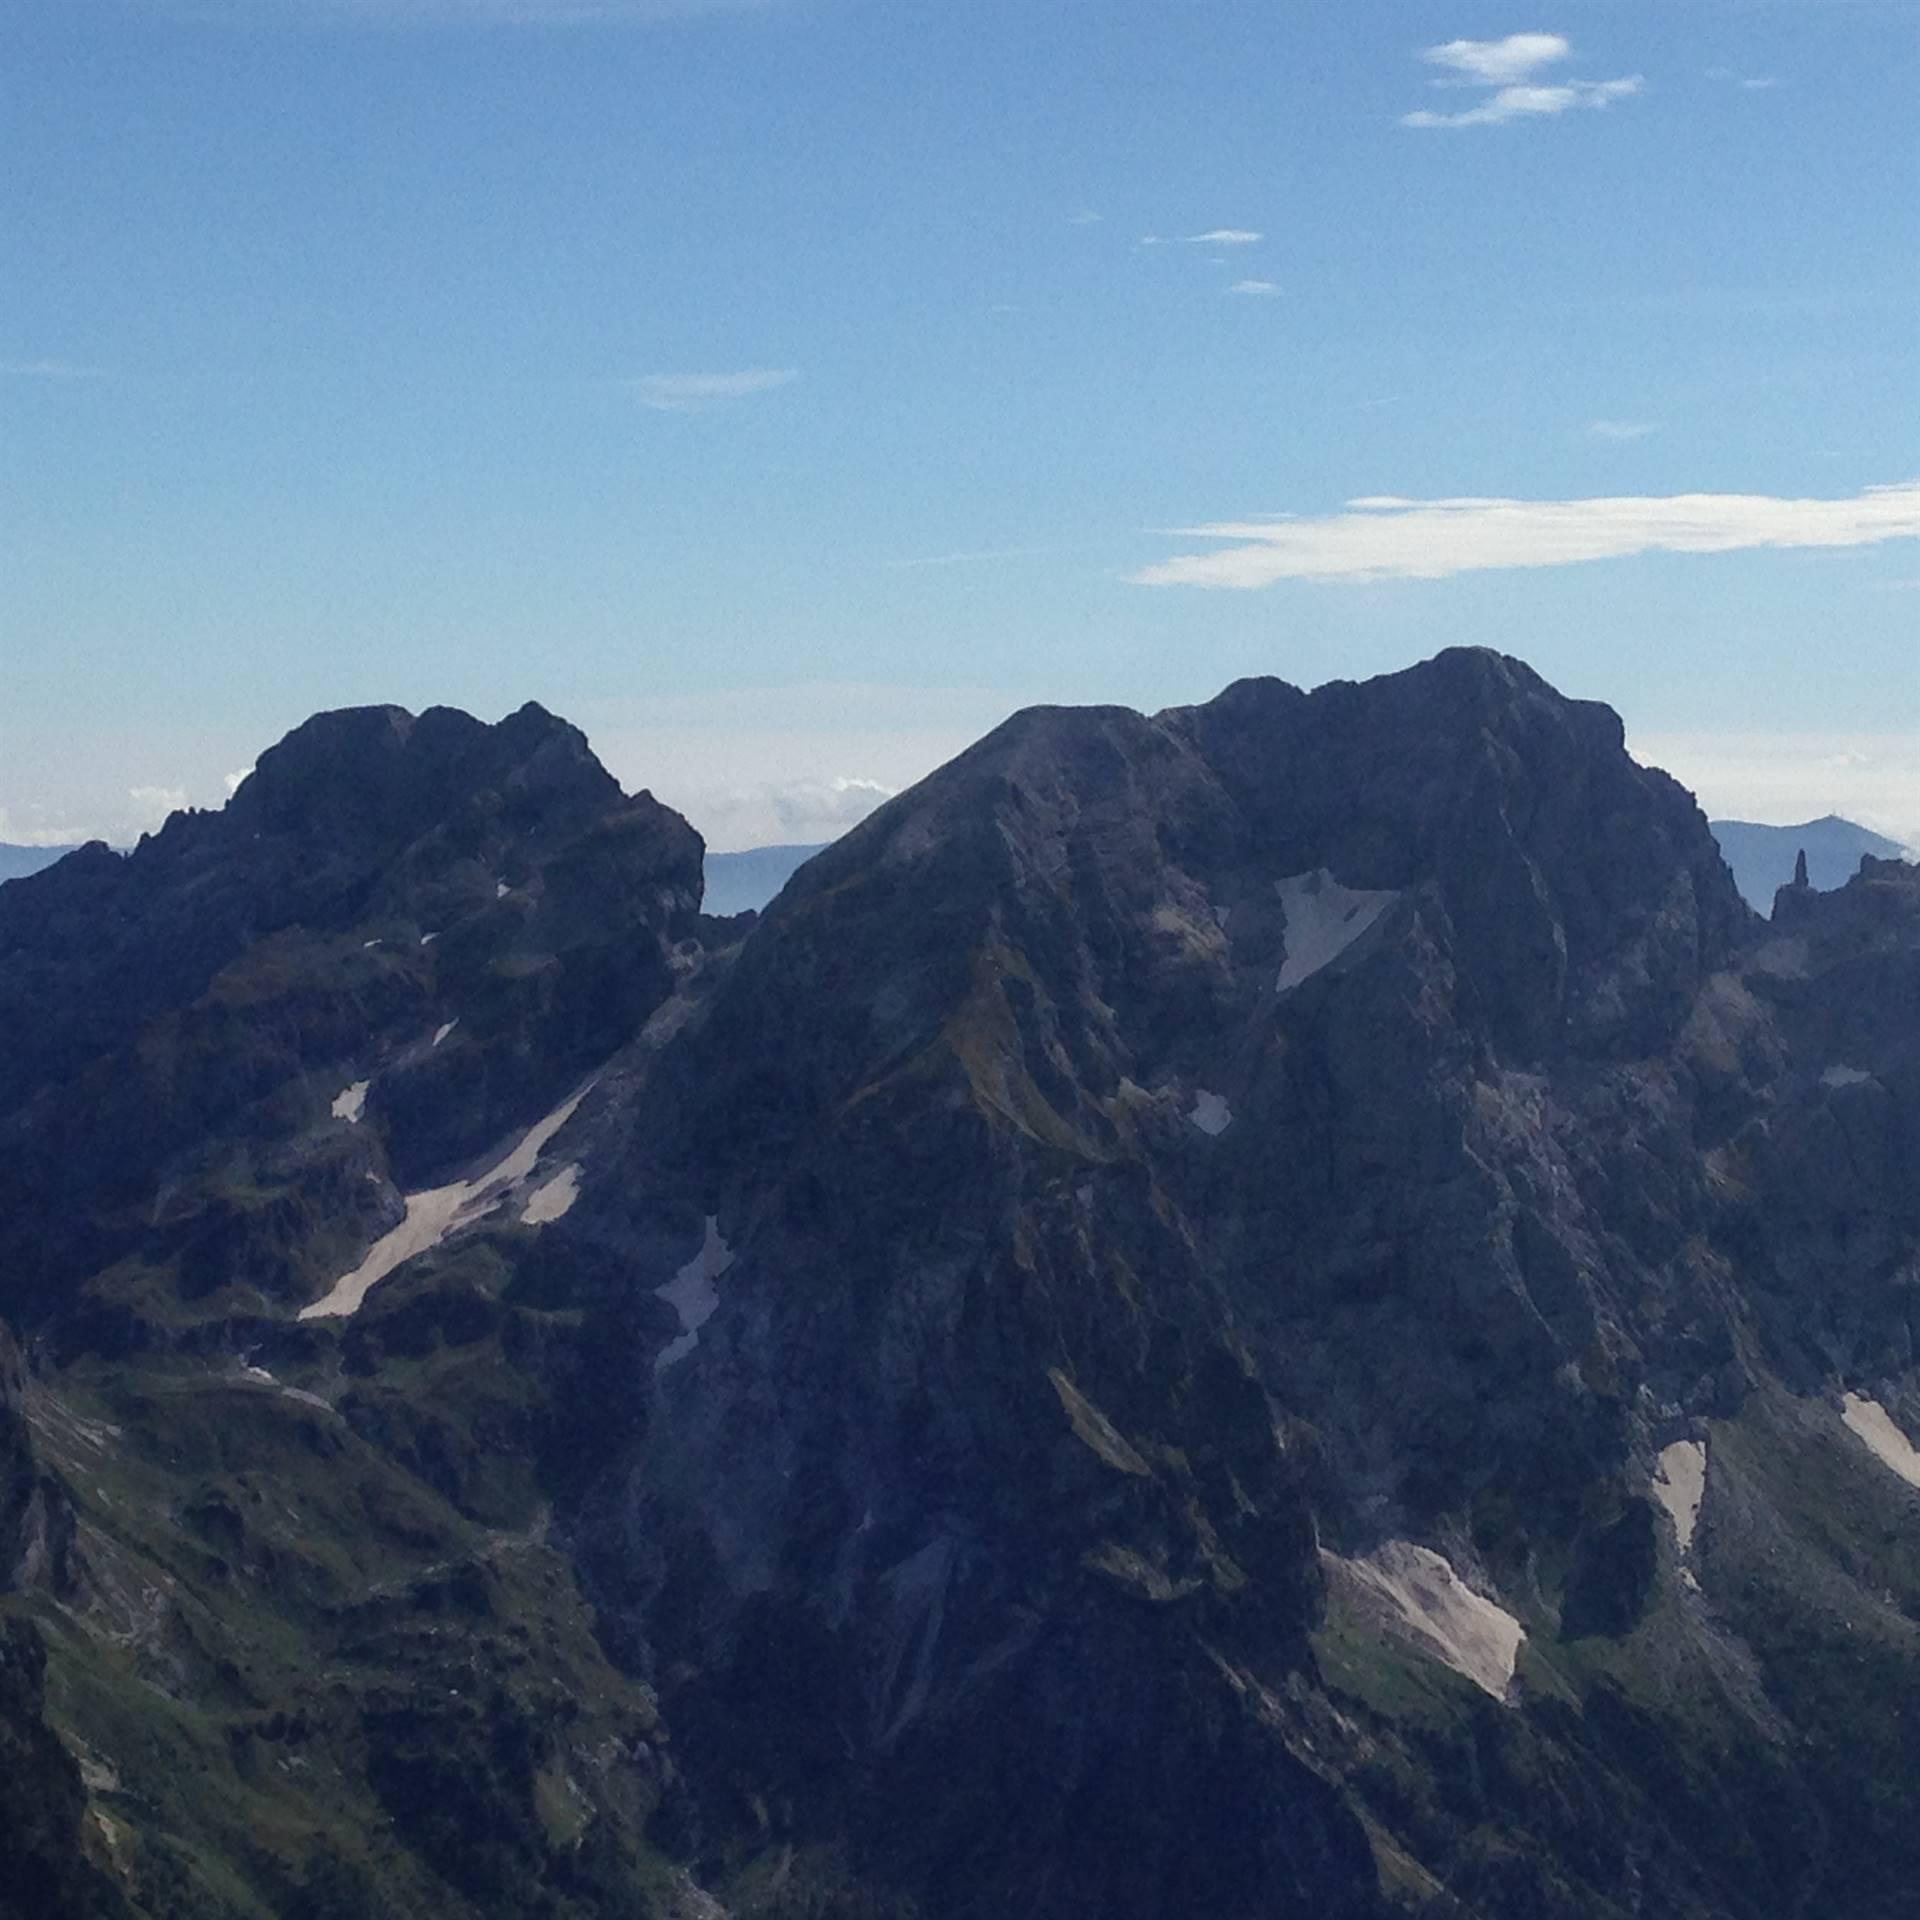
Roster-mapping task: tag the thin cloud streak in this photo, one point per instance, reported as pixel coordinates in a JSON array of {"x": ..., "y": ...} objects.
[
  {"x": 1257, "y": 289},
  {"x": 1389, "y": 538},
  {"x": 1213, "y": 237},
  {"x": 49, "y": 370},
  {"x": 696, "y": 392}
]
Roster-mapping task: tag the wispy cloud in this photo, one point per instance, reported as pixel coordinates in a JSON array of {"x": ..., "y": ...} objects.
[
  {"x": 1530, "y": 103},
  {"x": 17, "y": 833},
  {"x": 149, "y": 807},
  {"x": 1620, "y": 429},
  {"x": 1257, "y": 289},
  {"x": 696, "y": 392},
  {"x": 1388, "y": 538},
  {"x": 1213, "y": 237},
  {"x": 1086, "y": 217},
  {"x": 1511, "y": 69},
  {"x": 49, "y": 370}
]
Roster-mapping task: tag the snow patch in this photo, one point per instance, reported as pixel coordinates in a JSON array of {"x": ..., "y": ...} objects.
[
  {"x": 1680, "y": 1484},
  {"x": 1211, "y": 1113},
  {"x": 427, "y": 939},
  {"x": 1844, "y": 1077},
  {"x": 439, "y": 1212},
  {"x": 554, "y": 1200},
  {"x": 1431, "y": 1607},
  {"x": 441, "y": 1033},
  {"x": 351, "y": 1103},
  {"x": 500, "y": 889},
  {"x": 693, "y": 1296},
  {"x": 1870, "y": 1422},
  {"x": 1323, "y": 920}
]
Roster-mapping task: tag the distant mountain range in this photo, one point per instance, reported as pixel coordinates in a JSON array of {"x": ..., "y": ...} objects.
[
  {"x": 1762, "y": 857},
  {"x": 746, "y": 881},
  {"x": 17, "y": 862}
]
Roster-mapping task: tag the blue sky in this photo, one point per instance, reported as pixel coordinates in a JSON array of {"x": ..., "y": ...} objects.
[{"x": 787, "y": 391}]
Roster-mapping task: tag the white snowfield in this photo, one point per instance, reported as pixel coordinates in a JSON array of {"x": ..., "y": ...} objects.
[
  {"x": 1870, "y": 1422},
  {"x": 1680, "y": 1484},
  {"x": 1211, "y": 1113},
  {"x": 1430, "y": 1607},
  {"x": 555, "y": 1199},
  {"x": 441, "y": 1211},
  {"x": 1845, "y": 1077},
  {"x": 1323, "y": 920},
  {"x": 351, "y": 1103},
  {"x": 693, "y": 1296}
]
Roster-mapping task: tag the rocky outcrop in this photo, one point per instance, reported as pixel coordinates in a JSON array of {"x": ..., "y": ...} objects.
[{"x": 462, "y": 919}]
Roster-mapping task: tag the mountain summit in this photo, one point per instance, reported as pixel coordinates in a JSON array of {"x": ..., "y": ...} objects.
[{"x": 1284, "y": 1308}]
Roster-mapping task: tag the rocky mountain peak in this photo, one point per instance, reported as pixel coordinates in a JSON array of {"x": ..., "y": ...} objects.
[{"x": 383, "y": 774}]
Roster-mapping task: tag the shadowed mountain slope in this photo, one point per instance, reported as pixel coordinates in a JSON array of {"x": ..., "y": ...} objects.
[{"x": 1283, "y": 1309}]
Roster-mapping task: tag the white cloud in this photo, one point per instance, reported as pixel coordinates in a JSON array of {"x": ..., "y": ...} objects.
[
  {"x": 49, "y": 370},
  {"x": 1619, "y": 429},
  {"x": 16, "y": 833},
  {"x": 695, "y": 392},
  {"x": 1528, "y": 103},
  {"x": 1086, "y": 217},
  {"x": 233, "y": 781},
  {"x": 1760, "y": 83},
  {"x": 797, "y": 812},
  {"x": 1498, "y": 63},
  {"x": 1785, "y": 778},
  {"x": 1387, "y": 538},
  {"x": 1259, "y": 289},
  {"x": 1511, "y": 69},
  {"x": 148, "y": 807},
  {"x": 759, "y": 765},
  {"x": 1213, "y": 237}
]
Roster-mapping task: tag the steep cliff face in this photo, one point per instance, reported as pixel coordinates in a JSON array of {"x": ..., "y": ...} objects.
[{"x": 1286, "y": 1308}]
